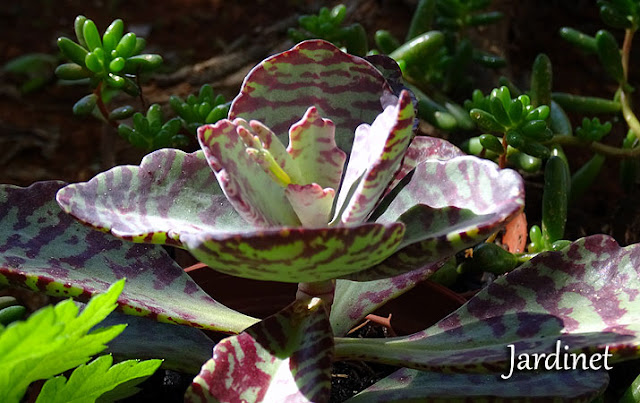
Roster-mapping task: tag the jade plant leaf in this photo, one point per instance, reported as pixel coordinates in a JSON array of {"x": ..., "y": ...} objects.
[
  {"x": 407, "y": 385},
  {"x": 285, "y": 357},
  {"x": 345, "y": 89},
  {"x": 585, "y": 297},
  {"x": 46, "y": 250}
]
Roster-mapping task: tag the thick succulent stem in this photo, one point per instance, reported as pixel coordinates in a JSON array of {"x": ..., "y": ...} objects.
[{"x": 320, "y": 289}]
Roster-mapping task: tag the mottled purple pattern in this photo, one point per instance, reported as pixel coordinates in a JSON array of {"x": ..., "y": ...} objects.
[
  {"x": 32, "y": 225},
  {"x": 297, "y": 254},
  {"x": 579, "y": 295},
  {"x": 345, "y": 89},
  {"x": 253, "y": 365},
  {"x": 408, "y": 384},
  {"x": 376, "y": 155},
  {"x": 168, "y": 194}
]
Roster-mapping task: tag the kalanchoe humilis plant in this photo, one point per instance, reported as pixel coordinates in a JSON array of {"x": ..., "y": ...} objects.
[{"x": 376, "y": 223}]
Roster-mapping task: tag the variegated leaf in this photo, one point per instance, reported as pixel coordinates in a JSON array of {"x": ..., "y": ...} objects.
[
  {"x": 168, "y": 194},
  {"x": 458, "y": 208},
  {"x": 345, "y": 89},
  {"x": 466, "y": 200},
  {"x": 356, "y": 299},
  {"x": 297, "y": 254},
  {"x": 376, "y": 156},
  {"x": 313, "y": 147},
  {"x": 257, "y": 198},
  {"x": 284, "y": 358},
  {"x": 409, "y": 385},
  {"x": 585, "y": 296},
  {"x": 181, "y": 348},
  {"x": 423, "y": 148},
  {"x": 46, "y": 250}
]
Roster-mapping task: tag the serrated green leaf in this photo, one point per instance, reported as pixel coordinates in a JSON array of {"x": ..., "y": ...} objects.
[
  {"x": 53, "y": 340},
  {"x": 90, "y": 381}
]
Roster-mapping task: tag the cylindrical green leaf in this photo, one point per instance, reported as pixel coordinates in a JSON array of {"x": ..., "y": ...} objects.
[
  {"x": 71, "y": 71},
  {"x": 114, "y": 80},
  {"x": 72, "y": 50},
  {"x": 461, "y": 115},
  {"x": 555, "y": 197},
  {"x": 486, "y": 121},
  {"x": 385, "y": 41},
  {"x": 579, "y": 39},
  {"x": 85, "y": 105},
  {"x": 217, "y": 113},
  {"x": 559, "y": 122},
  {"x": 125, "y": 131},
  {"x": 541, "y": 81},
  {"x": 11, "y": 314},
  {"x": 614, "y": 17},
  {"x": 578, "y": 103},
  {"x": 487, "y": 59},
  {"x": 609, "y": 55},
  {"x": 541, "y": 112},
  {"x": 93, "y": 63},
  {"x": 419, "y": 49},
  {"x": 584, "y": 177},
  {"x": 123, "y": 112},
  {"x": 142, "y": 63},
  {"x": 7, "y": 300},
  {"x": 78, "y": 25},
  {"x": 356, "y": 40},
  {"x": 498, "y": 111},
  {"x": 130, "y": 87},
  {"x": 491, "y": 142},
  {"x": 491, "y": 258},
  {"x": 422, "y": 18},
  {"x": 91, "y": 35},
  {"x": 154, "y": 117},
  {"x": 533, "y": 128},
  {"x": 490, "y": 17},
  {"x": 126, "y": 45},
  {"x": 141, "y": 43},
  {"x": 112, "y": 35},
  {"x": 515, "y": 111},
  {"x": 206, "y": 94},
  {"x": 524, "y": 161},
  {"x": 117, "y": 64}
]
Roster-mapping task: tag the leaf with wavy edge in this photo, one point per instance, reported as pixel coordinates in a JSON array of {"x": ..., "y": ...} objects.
[
  {"x": 46, "y": 250},
  {"x": 168, "y": 194},
  {"x": 376, "y": 156},
  {"x": 586, "y": 296},
  {"x": 409, "y": 385},
  {"x": 345, "y": 89},
  {"x": 257, "y": 198},
  {"x": 313, "y": 147},
  {"x": 432, "y": 234},
  {"x": 286, "y": 357},
  {"x": 297, "y": 254},
  {"x": 181, "y": 348}
]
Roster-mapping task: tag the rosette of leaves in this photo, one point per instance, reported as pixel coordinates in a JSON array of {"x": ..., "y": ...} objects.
[
  {"x": 327, "y": 25},
  {"x": 520, "y": 124},
  {"x": 249, "y": 206},
  {"x": 205, "y": 108},
  {"x": 113, "y": 58},
  {"x": 150, "y": 132}
]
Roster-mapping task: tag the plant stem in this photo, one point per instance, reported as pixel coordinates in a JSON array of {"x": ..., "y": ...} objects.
[
  {"x": 320, "y": 289},
  {"x": 625, "y": 102},
  {"x": 596, "y": 146},
  {"x": 102, "y": 107}
]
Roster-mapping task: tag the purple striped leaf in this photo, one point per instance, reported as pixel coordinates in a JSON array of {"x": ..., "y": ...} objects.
[
  {"x": 258, "y": 199},
  {"x": 345, "y": 89},
  {"x": 284, "y": 358},
  {"x": 584, "y": 297},
  {"x": 375, "y": 158},
  {"x": 312, "y": 146},
  {"x": 169, "y": 194},
  {"x": 412, "y": 385},
  {"x": 466, "y": 200},
  {"x": 297, "y": 254},
  {"x": 46, "y": 250}
]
